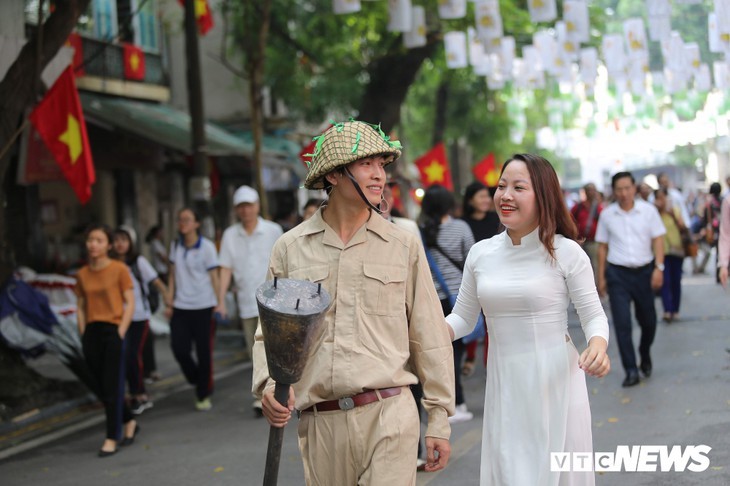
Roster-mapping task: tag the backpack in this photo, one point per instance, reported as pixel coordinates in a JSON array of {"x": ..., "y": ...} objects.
[{"x": 150, "y": 296}]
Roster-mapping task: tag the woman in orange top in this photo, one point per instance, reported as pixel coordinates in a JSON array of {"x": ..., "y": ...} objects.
[{"x": 105, "y": 308}]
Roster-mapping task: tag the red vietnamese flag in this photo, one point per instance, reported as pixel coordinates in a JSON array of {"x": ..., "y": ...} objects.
[
  {"x": 74, "y": 41},
  {"x": 305, "y": 155},
  {"x": 60, "y": 122},
  {"x": 307, "y": 152},
  {"x": 133, "y": 62},
  {"x": 486, "y": 171},
  {"x": 434, "y": 167},
  {"x": 203, "y": 15}
]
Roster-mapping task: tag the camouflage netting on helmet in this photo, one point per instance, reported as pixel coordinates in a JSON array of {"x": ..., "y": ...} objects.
[{"x": 344, "y": 143}]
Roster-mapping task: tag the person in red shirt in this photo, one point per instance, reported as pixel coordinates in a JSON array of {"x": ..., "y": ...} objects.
[{"x": 586, "y": 214}]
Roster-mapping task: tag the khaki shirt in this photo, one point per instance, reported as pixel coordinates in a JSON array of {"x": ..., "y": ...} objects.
[{"x": 385, "y": 327}]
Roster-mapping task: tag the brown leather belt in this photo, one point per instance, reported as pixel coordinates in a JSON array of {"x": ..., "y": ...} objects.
[{"x": 348, "y": 403}]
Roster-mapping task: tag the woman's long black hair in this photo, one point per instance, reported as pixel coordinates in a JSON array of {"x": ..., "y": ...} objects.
[
  {"x": 132, "y": 253},
  {"x": 437, "y": 203}
]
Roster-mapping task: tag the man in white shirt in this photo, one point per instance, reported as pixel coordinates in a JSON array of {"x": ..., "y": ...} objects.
[
  {"x": 628, "y": 230},
  {"x": 244, "y": 254}
]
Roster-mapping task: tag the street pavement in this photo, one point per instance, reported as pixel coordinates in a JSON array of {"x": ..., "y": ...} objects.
[{"x": 685, "y": 402}]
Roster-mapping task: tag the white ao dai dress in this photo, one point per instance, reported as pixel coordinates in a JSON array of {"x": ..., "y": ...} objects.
[{"x": 536, "y": 398}]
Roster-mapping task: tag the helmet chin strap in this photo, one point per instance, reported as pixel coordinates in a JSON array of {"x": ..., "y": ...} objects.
[{"x": 362, "y": 195}]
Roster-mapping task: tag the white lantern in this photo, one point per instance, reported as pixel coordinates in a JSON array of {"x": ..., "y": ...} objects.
[
  {"x": 416, "y": 36},
  {"x": 635, "y": 38},
  {"x": 721, "y": 73},
  {"x": 507, "y": 56},
  {"x": 488, "y": 20},
  {"x": 703, "y": 82},
  {"x": 575, "y": 15},
  {"x": 400, "y": 12},
  {"x": 455, "y": 46},
  {"x": 547, "y": 46},
  {"x": 452, "y": 9},
  {"x": 588, "y": 65},
  {"x": 613, "y": 54},
  {"x": 659, "y": 27},
  {"x": 692, "y": 58},
  {"x": 341, "y": 7},
  {"x": 542, "y": 10},
  {"x": 568, "y": 45}
]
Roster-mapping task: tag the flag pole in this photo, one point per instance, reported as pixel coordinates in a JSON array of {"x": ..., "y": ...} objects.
[{"x": 14, "y": 137}]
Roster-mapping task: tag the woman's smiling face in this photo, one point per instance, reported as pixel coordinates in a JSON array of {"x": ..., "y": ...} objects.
[{"x": 515, "y": 199}]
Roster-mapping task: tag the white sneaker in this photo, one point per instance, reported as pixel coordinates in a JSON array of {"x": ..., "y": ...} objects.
[
  {"x": 203, "y": 405},
  {"x": 461, "y": 415}
]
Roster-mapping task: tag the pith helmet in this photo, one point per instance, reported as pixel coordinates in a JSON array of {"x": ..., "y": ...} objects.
[{"x": 344, "y": 143}]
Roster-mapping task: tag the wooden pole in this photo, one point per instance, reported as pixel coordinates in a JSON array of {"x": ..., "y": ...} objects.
[{"x": 276, "y": 439}]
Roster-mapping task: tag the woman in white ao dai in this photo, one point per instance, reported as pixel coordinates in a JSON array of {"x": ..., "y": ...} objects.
[{"x": 536, "y": 399}]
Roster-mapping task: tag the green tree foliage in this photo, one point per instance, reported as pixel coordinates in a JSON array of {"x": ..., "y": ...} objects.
[{"x": 321, "y": 64}]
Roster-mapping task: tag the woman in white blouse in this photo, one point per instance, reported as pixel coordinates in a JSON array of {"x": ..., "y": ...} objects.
[{"x": 524, "y": 279}]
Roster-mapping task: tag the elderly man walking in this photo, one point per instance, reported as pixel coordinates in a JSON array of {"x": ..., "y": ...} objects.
[{"x": 244, "y": 254}]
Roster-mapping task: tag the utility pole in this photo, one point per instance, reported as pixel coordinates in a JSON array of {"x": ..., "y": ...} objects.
[{"x": 199, "y": 188}]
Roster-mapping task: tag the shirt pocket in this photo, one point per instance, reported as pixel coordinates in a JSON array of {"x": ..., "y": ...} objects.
[
  {"x": 312, "y": 273},
  {"x": 383, "y": 289}
]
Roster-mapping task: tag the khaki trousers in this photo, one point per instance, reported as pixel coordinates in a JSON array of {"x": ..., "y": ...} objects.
[
  {"x": 249, "y": 330},
  {"x": 372, "y": 445}
]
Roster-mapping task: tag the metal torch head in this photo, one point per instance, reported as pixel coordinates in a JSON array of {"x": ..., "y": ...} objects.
[{"x": 292, "y": 320}]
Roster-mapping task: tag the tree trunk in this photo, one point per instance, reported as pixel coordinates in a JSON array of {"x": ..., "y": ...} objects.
[
  {"x": 390, "y": 78},
  {"x": 17, "y": 94},
  {"x": 18, "y": 383},
  {"x": 255, "y": 68},
  {"x": 442, "y": 101}
]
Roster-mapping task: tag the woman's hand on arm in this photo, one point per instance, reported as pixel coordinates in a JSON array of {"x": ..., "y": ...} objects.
[{"x": 594, "y": 360}]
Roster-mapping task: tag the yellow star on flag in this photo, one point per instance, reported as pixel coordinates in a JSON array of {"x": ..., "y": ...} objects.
[
  {"x": 134, "y": 61},
  {"x": 72, "y": 138},
  {"x": 201, "y": 7},
  {"x": 492, "y": 178},
  {"x": 434, "y": 172}
]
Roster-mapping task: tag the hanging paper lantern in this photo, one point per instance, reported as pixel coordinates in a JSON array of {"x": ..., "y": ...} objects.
[
  {"x": 507, "y": 56},
  {"x": 477, "y": 54},
  {"x": 455, "y": 45},
  {"x": 547, "y": 46},
  {"x": 488, "y": 20},
  {"x": 568, "y": 45},
  {"x": 400, "y": 12},
  {"x": 703, "y": 81},
  {"x": 721, "y": 74},
  {"x": 692, "y": 58},
  {"x": 635, "y": 38},
  {"x": 713, "y": 34},
  {"x": 575, "y": 15},
  {"x": 341, "y": 7},
  {"x": 452, "y": 9},
  {"x": 542, "y": 10},
  {"x": 416, "y": 36},
  {"x": 614, "y": 55},
  {"x": 659, "y": 14}
]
